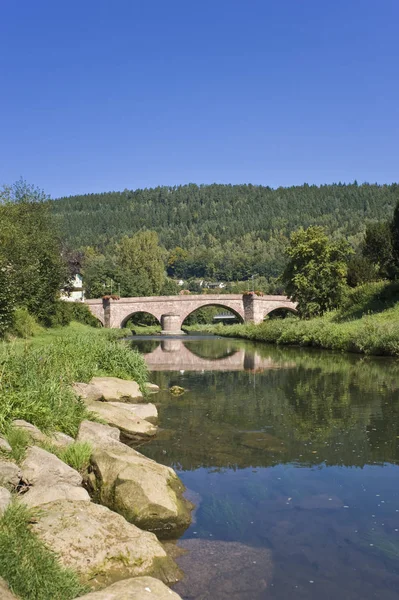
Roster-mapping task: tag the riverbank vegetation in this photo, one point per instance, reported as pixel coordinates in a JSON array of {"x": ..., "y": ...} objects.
[
  {"x": 366, "y": 323},
  {"x": 36, "y": 375},
  {"x": 30, "y": 568}
]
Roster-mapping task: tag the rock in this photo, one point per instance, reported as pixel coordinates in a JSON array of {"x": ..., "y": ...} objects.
[
  {"x": 87, "y": 391},
  {"x": 58, "y": 439},
  {"x": 146, "y": 493},
  {"x": 10, "y": 474},
  {"x": 32, "y": 430},
  {"x": 152, "y": 388},
  {"x": 61, "y": 440},
  {"x": 132, "y": 427},
  {"x": 259, "y": 440},
  {"x": 101, "y": 545},
  {"x": 224, "y": 570},
  {"x": 137, "y": 588},
  {"x": 148, "y": 412},
  {"x": 113, "y": 388},
  {"x": 4, "y": 445},
  {"x": 5, "y": 499},
  {"x": 176, "y": 390},
  {"x": 43, "y": 468},
  {"x": 44, "y": 494},
  {"x": 5, "y": 593},
  {"x": 97, "y": 433}
]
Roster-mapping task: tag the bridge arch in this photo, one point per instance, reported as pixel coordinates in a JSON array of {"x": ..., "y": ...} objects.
[
  {"x": 138, "y": 312},
  {"x": 286, "y": 309},
  {"x": 207, "y": 304}
]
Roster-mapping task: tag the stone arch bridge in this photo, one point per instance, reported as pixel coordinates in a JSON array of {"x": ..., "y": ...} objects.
[{"x": 171, "y": 311}]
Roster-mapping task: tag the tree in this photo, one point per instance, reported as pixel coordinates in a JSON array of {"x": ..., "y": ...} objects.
[
  {"x": 141, "y": 259},
  {"x": 378, "y": 248},
  {"x": 395, "y": 239},
  {"x": 30, "y": 249},
  {"x": 360, "y": 270},
  {"x": 7, "y": 303},
  {"x": 315, "y": 275}
]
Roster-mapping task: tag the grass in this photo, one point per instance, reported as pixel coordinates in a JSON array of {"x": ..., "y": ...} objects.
[
  {"x": 36, "y": 375},
  {"x": 19, "y": 440},
  {"x": 77, "y": 456},
  {"x": 32, "y": 571},
  {"x": 368, "y": 323}
]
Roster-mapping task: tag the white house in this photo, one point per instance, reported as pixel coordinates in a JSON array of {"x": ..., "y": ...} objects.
[{"x": 76, "y": 294}]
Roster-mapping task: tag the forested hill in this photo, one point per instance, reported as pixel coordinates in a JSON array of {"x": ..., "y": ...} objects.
[
  {"x": 223, "y": 211},
  {"x": 224, "y": 220}
]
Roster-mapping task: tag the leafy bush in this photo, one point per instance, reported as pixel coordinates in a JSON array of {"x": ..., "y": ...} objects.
[
  {"x": 24, "y": 325},
  {"x": 32, "y": 571},
  {"x": 7, "y": 304}
]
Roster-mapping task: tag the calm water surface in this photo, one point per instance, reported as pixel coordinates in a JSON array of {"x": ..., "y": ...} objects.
[{"x": 291, "y": 458}]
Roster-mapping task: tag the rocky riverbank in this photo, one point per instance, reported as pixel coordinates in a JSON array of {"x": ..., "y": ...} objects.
[{"x": 103, "y": 523}]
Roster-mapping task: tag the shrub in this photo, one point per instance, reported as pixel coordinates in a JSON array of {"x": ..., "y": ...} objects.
[{"x": 25, "y": 325}]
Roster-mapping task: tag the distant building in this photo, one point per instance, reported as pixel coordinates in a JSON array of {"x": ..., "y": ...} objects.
[
  {"x": 212, "y": 285},
  {"x": 75, "y": 292}
]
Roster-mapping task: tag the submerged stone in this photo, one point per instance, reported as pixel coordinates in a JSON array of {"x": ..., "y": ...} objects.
[
  {"x": 176, "y": 390},
  {"x": 224, "y": 570}
]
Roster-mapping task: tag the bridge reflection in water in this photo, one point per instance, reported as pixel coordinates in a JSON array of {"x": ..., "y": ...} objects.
[{"x": 173, "y": 354}]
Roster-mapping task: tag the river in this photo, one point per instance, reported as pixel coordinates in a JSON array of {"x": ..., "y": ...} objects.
[{"x": 291, "y": 457}]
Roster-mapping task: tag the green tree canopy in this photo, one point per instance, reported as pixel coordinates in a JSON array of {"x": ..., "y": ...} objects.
[
  {"x": 30, "y": 249},
  {"x": 315, "y": 275},
  {"x": 142, "y": 261}
]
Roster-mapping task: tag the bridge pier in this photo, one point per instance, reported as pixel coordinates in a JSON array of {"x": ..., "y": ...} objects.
[{"x": 171, "y": 325}]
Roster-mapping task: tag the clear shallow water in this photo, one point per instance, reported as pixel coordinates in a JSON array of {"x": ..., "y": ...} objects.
[{"x": 291, "y": 458}]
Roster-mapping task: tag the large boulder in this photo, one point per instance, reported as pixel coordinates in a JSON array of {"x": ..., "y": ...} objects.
[
  {"x": 5, "y": 499},
  {"x": 97, "y": 433},
  {"x": 87, "y": 391},
  {"x": 40, "y": 467},
  {"x": 146, "y": 493},
  {"x": 43, "y": 494},
  {"x": 10, "y": 474},
  {"x": 137, "y": 588},
  {"x": 50, "y": 479},
  {"x": 100, "y": 545},
  {"x": 131, "y": 426},
  {"x": 5, "y": 593},
  {"x": 57, "y": 439},
  {"x": 147, "y": 411},
  {"x": 107, "y": 389}
]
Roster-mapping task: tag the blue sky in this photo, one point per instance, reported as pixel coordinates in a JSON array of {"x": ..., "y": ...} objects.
[{"x": 98, "y": 95}]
